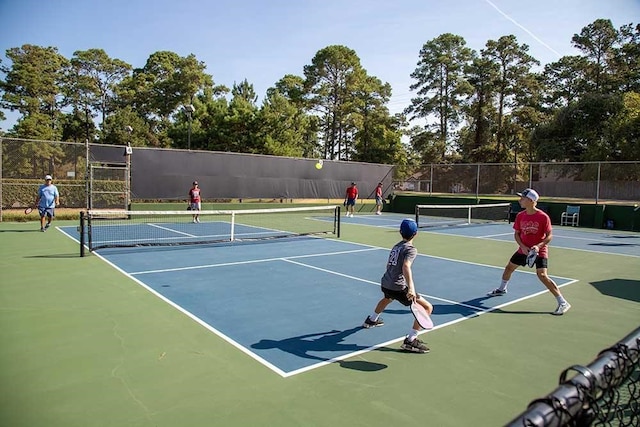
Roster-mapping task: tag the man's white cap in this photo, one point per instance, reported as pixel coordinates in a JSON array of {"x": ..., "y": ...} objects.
[
  {"x": 530, "y": 193},
  {"x": 48, "y": 178}
]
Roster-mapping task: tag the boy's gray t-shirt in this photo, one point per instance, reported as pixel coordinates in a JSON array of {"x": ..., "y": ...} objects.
[{"x": 393, "y": 278}]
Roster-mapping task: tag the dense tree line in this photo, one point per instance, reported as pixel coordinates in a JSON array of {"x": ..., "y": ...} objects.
[{"x": 487, "y": 106}]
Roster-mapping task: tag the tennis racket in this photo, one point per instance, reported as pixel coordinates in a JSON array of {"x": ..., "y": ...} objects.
[
  {"x": 28, "y": 210},
  {"x": 531, "y": 257},
  {"x": 421, "y": 315}
]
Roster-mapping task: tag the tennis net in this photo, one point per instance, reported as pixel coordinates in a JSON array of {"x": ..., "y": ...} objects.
[
  {"x": 119, "y": 228},
  {"x": 444, "y": 215}
]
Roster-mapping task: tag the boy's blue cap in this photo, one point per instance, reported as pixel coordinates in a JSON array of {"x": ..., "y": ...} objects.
[{"x": 408, "y": 228}]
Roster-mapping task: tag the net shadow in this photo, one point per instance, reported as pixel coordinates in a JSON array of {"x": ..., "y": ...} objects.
[{"x": 619, "y": 288}]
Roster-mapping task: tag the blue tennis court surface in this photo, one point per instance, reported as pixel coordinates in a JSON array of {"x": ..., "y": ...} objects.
[
  {"x": 613, "y": 242},
  {"x": 386, "y": 220},
  {"x": 297, "y": 304},
  {"x": 619, "y": 243}
]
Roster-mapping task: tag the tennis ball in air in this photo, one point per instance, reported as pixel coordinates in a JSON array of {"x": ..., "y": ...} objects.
[{"x": 319, "y": 165}]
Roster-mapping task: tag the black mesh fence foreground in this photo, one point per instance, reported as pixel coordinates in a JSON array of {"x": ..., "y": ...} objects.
[{"x": 604, "y": 393}]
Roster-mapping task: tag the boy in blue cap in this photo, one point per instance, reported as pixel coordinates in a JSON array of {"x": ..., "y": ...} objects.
[{"x": 397, "y": 284}]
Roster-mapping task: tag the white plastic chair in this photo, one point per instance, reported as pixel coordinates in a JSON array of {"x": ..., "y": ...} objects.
[{"x": 571, "y": 216}]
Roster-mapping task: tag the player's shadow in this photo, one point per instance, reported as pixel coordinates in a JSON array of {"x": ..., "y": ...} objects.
[
  {"x": 502, "y": 311},
  {"x": 613, "y": 244},
  {"x": 21, "y": 231},
  {"x": 479, "y": 302},
  {"x": 445, "y": 309},
  {"x": 307, "y": 346}
]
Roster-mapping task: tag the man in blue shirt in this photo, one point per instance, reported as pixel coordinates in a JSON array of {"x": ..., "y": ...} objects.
[{"x": 48, "y": 199}]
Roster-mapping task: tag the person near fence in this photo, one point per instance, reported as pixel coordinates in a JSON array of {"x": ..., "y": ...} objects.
[
  {"x": 533, "y": 231},
  {"x": 195, "y": 202},
  {"x": 46, "y": 201},
  {"x": 397, "y": 284},
  {"x": 379, "y": 199},
  {"x": 350, "y": 198}
]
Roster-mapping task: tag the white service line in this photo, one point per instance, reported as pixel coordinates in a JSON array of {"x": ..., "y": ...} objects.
[
  {"x": 170, "y": 229},
  {"x": 253, "y": 261}
]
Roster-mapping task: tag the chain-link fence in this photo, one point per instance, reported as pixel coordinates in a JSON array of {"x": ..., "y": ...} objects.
[
  {"x": 108, "y": 176},
  {"x": 26, "y": 162},
  {"x": 592, "y": 181},
  {"x": 163, "y": 174}
]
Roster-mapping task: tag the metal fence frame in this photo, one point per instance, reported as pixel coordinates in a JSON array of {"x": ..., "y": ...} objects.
[{"x": 595, "y": 181}]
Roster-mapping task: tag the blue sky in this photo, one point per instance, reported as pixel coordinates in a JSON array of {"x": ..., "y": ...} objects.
[{"x": 261, "y": 41}]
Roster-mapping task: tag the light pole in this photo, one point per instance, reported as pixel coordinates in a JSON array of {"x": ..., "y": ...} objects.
[{"x": 189, "y": 109}]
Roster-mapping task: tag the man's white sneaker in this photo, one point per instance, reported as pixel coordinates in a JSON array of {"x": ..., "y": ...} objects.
[{"x": 562, "y": 309}]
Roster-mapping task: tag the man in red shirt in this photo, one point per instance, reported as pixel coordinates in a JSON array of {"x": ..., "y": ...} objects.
[
  {"x": 195, "y": 201},
  {"x": 379, "y": 199},
  {"x": 533, "y": 231},
  {"x": 350, "y": 198}
]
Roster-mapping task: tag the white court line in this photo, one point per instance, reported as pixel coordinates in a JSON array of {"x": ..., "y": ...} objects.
[
  {"x": 198, "y": 320},
  {"x": 253, "y": 261},
  {"x": 560, "y": 236},
  {"x": 377, "y": 283},
  {"x": 269, "y": 365},
  {"x": 488, "y": 236},
  {"x": 552, "y": 246},
  {"x": 170, "y": 229},
  {"x": 555, "y": 236},
  {"x": 479, "y": 312}
]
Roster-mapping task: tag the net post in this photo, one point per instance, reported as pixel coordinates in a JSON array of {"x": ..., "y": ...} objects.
[
  {"x": 336, "y": 220},
  {"x": 82, "y": 235},
  {"x": 469, "y": 215},
  {"x": 89, "y": 234},
  {"x": 233, "y": 226},
  {"x": 417, "y": 215}
]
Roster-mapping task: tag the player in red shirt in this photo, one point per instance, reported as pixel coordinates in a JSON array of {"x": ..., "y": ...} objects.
[
  {"x": 350, "y": 198},
  {"x": 379, "y": 199},
  {"x": 533, "y": 231},
  {"x": 195, "y": 201}
]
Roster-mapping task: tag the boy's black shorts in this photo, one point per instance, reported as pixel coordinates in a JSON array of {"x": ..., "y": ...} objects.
[{"x": 400, "y": 296}]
